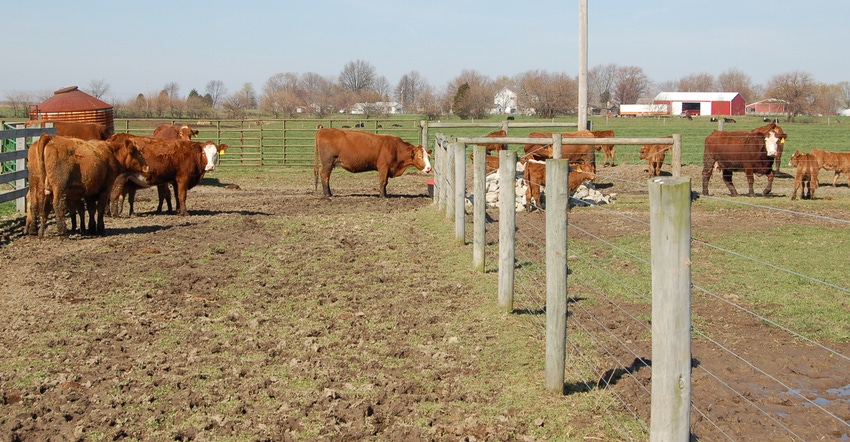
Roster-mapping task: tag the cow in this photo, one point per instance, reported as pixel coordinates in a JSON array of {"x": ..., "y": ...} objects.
[
  {"x": 83, "y": 131},
  {"x": 807, "y": 174},
  {"x": 750, "y": 151},
  {"x": 729, "y": 120},
  {"x": 496, "y": 146},
  {"x": 64, "y": 170},
  {"x": 572, "y": 152},
  {"x": 180, "y": 163},
  {"x": 491, "y": 162},
  {"x": 535, "y": 178},
  {"x": 357, "y": 151},
  {"x": 836, "y": 161},
  {"x": 607, "y": 149},
  {"x": 175, "y": 132},
  {"x": 654, "y": 154}
]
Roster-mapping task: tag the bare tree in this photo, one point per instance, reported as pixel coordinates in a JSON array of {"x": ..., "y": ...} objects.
[
  {"x": 216, "y": 90},
  {"x": 238, "y": 104},
  {"x": 473, "y": 94},
  {"x": 408, "y": 90},
  {"x": 357, "y": 76},
  {"x": 382, "y": 88},
  {"x": 548, "y": 94},
  {"x": 735, "y": 80},
  {"x": 98, "y": 88},
  {"x": 827, "y": 99},
  {"x": 844, "y": 94},
  {"x": 319, "y": 93},
  {"x": 600, "y": 81},
  {"x": 701, "y": 82},
  {"x": 172, "y": 89},
  {"x": 630, "y": 85},
  {"x": 796, "y": 88},
  {"x": 19, "y": 101},
  {"x": 282, "y": 94}
]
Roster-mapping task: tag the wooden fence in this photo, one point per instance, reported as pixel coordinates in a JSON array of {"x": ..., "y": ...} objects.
[
  {"x": 13, "y": 159},
  {"x": 670, "y": 223}
]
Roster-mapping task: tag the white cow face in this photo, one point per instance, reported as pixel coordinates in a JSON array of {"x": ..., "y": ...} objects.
[
  {"x": 211, "y": 152},
  {"x": 425, "y": 155},
  {"x": 771, "y": 143}
]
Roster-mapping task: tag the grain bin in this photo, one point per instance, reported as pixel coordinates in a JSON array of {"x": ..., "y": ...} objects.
[{"x": 74, "y": 105}]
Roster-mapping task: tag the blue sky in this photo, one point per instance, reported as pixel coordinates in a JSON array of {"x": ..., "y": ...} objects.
[{"x": 138, "y": 47}]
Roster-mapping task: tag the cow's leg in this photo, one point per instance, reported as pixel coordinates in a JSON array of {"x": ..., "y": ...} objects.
[
  {"x": 835, "y": 178},
  {"x": 326, "y": 177},
  {"x": 117, "y": 194},
  {"x": 613, "y": 152},
  {"x": 383, "y": 179},
  {"x": 727, "y": 179},
  {"x": 101, "y": 202},
  {"x": 91, "y": 207},
  {"x": 707, "y": 169},
  {"x": 164, "y": 194},
  {"x": 768, "y": 188},
  {"x": 131, "y": 199},
  {"x": 59, "y": 210},
  {"x": 182, "y": 190},
  {"x": 31, "y": 225}
]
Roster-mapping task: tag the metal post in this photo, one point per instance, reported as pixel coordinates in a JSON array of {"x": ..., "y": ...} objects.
[
  {"x": 557, "y": 203},
  {"x": 670, "y": 235},
  {"x": 507, "y": 228}
]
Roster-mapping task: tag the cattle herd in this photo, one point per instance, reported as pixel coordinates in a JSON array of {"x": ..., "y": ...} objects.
[{"x": 83, "y": 169}]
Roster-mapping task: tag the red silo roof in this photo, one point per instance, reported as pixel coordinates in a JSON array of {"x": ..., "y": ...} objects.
[{"x": 72, "y": 99}]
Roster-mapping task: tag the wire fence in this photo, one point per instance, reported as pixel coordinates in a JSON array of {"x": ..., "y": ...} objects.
[{"x": 769, "y": 358}]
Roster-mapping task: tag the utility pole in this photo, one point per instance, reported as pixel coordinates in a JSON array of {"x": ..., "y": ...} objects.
[{"x": 582, "y": 65}]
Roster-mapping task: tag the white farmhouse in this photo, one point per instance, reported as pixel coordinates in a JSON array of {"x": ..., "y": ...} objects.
[
  {"x": 505, "y": 101},
  {"x": 378, "y": 107}
]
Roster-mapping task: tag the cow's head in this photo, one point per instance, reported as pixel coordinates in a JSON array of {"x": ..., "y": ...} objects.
[
  {"x": 795, "y": 158},
  {"x": 421, "y": 160},
  {"x": 212, "y": 152},
  {"x": 186, "y": 133},
  {"x": 774, "y": 138}
]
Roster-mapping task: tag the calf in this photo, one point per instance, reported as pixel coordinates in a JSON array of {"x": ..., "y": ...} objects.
[
  {"x": 607, "y": 149},
  {"x": 654, "y": 154},
  {"x": 836, "y": 161},
  {"x": 535, "y": 178},
  {"x": 68, "y": 170},
  {"x": 807, "y": 174}
]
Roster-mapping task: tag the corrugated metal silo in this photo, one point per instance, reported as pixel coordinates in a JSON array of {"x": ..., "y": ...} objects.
[{"x": 74, "y": 105}]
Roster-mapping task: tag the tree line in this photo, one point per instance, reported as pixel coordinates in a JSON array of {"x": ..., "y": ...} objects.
[{"x": 469, "y": 95}]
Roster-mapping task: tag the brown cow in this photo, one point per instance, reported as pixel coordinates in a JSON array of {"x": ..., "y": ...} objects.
[
  {"x": 496, "y": 146},
  {"x": 750, "y": 151},
  {"x": 807, "y": 174},
  {"x": 181, "y": 163},
  {"x": 357, "y": 151},
  {"x": 654, "y": 154},
  {"x": 608, "y": 149},
  {"x": 535, "y": 178},
  {"x": 66, "y": 170},
  {"x": 491, "y": 162},
  {"x": 572, "y": 152},
  {"x": 836, "y": 161},
  {"x": 175, "y": 132},
  {"x": 83, "y": 131}
]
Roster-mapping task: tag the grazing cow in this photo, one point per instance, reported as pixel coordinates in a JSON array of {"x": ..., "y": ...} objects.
[
  {"x": 175, "y": 132},
  {"x": 654, "y": 154},
  {"x": 357, "y": 151},
  {"x": 836, "y": 161},
  {"x": 83, "y": 131},
  {"x": 180, "y": 163},
  {"x": 511, "y": 118},
  {"x": 535, "y": 178},
  {"x": 65, "y": 170},
  {"x": 750, "y": 151},
  {"x": 359, "y": 125},
  {"x": 607, "y": 149},
  {"x": 729, "y": 120},
  {"x": 713, "y": 119},
  {"x": 572, "y": 152},
  {"x": 807, "y": 174}
]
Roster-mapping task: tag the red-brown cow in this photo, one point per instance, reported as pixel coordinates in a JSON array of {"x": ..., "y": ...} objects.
[
  {"x": 175, "y": 132},
  {"x": 807, "y": 174},
  {"x": 750, "y": 151},
  {"x": 496, "y": 146},
  {"x": 181, "y": 163},
  {"x": 65, "y": 170},
  {"x": 83, "y": 131},
  {"x": 573, "y": 152},
  {"x": 491, "y": 162},
  {"x": 357, "y": 151},
  {"x": 535, "y": 177},
  {"x": 654, "y": 154},
  {"x": 836, "y": 161},
  {"x": 608, "y": 149}
]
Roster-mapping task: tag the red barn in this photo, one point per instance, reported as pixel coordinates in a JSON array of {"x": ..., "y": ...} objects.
[
  {"x": 768, "y": 106},
  {"x": 702, "y": 103}
]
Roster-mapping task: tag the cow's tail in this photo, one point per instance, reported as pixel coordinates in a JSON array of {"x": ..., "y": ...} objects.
[
  {"x": 316, "y": 162},
  {"x": 39, "y": 167}
]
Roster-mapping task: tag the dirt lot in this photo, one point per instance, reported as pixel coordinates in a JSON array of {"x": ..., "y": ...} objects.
[{"x": 270, "y": 313}]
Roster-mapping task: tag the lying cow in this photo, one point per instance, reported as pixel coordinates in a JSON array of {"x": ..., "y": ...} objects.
[
  {"x": 607, "y": 149},
  {"x": 180, "y": 163},
  {"x": 835, "y": 161},
  {"x": 64, "y": 170},
  {"x": 750, "y": 151},
  {"x": 807, "y": 174},
  {"x": 357, "y": 151},
  {"x": 573, "y": 152},
  {"x": 535, "y": 178},
  {"x": 654, "y": 154}
]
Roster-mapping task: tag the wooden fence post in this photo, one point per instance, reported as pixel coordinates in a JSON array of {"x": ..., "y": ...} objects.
[
  {"x": 670, "y": 235},
  {"x": 557, "y": 203},
  {"x": 676, "y": 156},
  {"x": 460, "y": 191},
  {"x": 449, "y": 178},
  {"x": 479, "y": 206},
  {"x": 440, "y": 142},
  {"x": 556, "y": 146},
  {"x": 507, "y": 228}
]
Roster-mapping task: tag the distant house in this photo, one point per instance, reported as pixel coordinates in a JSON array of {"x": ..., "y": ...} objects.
[
  {"x": 702, "y": 103},
  {"x": 768, "y": 106},
  {"x": 505, "y": 101},
  {"x": 641, "y": 110},
  {"x": 378, "y": 107}
]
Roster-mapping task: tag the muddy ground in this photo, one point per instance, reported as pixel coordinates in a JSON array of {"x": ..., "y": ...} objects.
[{"x": 270, "y": 313}]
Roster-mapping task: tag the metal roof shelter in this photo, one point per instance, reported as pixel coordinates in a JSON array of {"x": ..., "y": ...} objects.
[{"x": 74, "y": 105}]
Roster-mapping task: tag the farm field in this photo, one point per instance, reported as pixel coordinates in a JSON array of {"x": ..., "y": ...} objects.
[{"x": 273, "y": 314}]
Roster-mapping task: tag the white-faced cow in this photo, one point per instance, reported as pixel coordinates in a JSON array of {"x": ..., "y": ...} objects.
[
  {"x": 64, "y": 170},
  {"x": 357, "y": 151},
  {"x": 751, "y": 151},
  {"x": 180, "y": 163}
]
